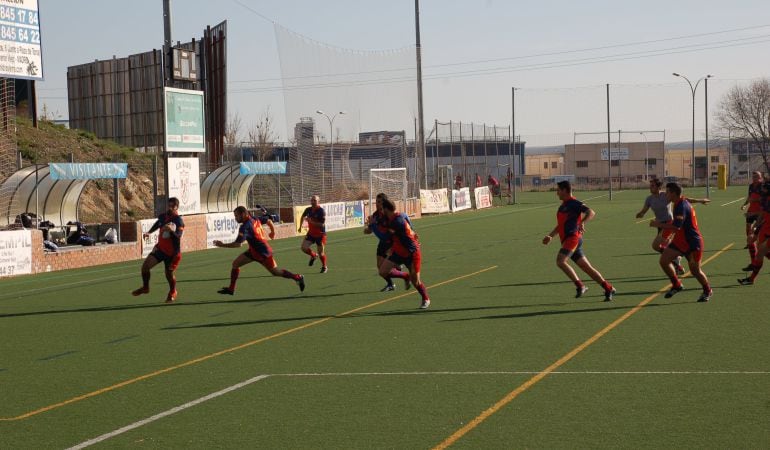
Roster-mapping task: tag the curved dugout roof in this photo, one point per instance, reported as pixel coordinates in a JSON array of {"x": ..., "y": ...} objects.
[
  {"x": 32, "y": 190},
  {"x": 224, "y": 189}
]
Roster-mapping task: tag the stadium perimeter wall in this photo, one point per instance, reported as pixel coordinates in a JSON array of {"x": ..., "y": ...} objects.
[{"x": 74, "y": 257}]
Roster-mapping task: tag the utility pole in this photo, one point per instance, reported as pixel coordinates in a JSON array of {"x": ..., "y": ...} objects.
[{"x": 420, "y": 144}]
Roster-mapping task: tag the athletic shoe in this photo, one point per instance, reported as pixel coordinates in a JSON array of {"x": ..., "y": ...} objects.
[
  {"x": 705, "y": 296},
  {"x": 140, "y": 291},
  {"x": 226, "y": 291},
  {"x": 425, "y": 304},
  {"x": 312, "y": 261},
  {"x": 749, "y": 268},
  {"x": 388, "y": 288},
  {"x": 745, "y": 281},
  {"x": 673, "y": 291},
  {"x": 580, "y": 291},
  {"x": 407, "y": 284},
  {"x": 324, "y": 269},
  {"x": 679, "y": 269},
  {"x": 301, "y": 283},
  {"x": 609, "y": 294},
  {"x": 171, "y": 297}
]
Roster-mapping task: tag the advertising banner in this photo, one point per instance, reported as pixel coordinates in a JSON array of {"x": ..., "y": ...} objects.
[
  {"x": 87, "y": 171},
  {"x": 20, "y": 48},
  {"x": 148, "y": 242},
  {"x": 184, "y": 184},
  {"x": 15, "y": 253},
  {"x": 221, "y": 227},
  {"x": 434, "y": 201},
  {"x": 262, "y": 168},
  {"x": 461, "y": 199},
  {"x": 185, "y": 125},
  {"x": 483, "y": 197}
]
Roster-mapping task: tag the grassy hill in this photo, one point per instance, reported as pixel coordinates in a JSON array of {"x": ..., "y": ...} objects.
[{"x": 55, "y": 143}]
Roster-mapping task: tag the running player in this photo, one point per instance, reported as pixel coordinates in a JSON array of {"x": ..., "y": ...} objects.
[
  {"x": 168, "y": 250},
  {"x": 316, "y": 234},
  {"x": 570, "y": 220},
  {"x": 687, "y": 242},
  {"x": 259, "y": 250},
  {"x": 377, "y": 224},
  {"x": 762, "y": 237},
  {"x": 658, "y": 202},
  {"x": 405, "y": 250},
  {"x": 753, "y": 213}
]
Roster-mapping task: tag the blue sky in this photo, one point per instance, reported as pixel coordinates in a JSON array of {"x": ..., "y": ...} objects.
[{"x": 456, "y": 37}]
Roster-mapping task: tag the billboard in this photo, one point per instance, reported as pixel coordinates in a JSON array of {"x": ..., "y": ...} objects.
[
  {"x": 20, "y": 49},
  {"x": 185, "y": 121},
  {"x": 184, "y": 184}
]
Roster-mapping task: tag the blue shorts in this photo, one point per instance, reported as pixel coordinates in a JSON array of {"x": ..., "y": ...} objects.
[
  {"x": 321, "y": 240},
  {"x": 170, "y": 261}
]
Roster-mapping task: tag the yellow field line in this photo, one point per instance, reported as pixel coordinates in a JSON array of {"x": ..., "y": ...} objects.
[
  {"x": 643, "y": 220},
  {"x": 548, "y": 370},
  {"x": 229, "y": 350}
]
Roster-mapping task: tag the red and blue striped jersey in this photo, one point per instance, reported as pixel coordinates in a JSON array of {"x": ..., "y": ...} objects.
[
  {"x": 171, "y": 244},
  {"x": 569, "y": 217},
  {"x": 251, "y": 231},
  {"x": 404, "y": 238},
  {"x": 687, "y": 234},
  {"x": 318, "y": 215}
]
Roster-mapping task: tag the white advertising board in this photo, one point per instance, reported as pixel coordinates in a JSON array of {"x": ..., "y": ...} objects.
[
  {"x": 221, "y": 227},
  {"x": 483, "y": 197},
  {"x": 21, "y": 54},
  {"x": 184, "y": 184},
  {"x": 434, "y": 201},
  {"x": 15, "y": 253},
  {"x": 461, "y": 199}
]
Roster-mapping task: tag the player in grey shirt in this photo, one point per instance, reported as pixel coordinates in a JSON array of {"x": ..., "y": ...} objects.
[{"x": 658, "y": 202}]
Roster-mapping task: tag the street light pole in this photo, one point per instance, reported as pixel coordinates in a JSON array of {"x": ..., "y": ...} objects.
[
  {"x": 693, "y": 89},
  {"x": 646, "y": 157},
  {"x": 331, "y": 136}
]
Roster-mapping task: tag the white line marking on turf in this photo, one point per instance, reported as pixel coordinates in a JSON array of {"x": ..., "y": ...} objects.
[
  {"x": 733, "y": 201},
  {"x": 234, "y": 387},
  {"x": 171, "y": 411}
]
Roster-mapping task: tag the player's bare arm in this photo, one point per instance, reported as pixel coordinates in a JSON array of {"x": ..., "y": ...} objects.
[
  {"x": 641, "y": 213},
  {"x": 548, "y": 237},
  {"x": 271, "y": 226},
  {"x": 234, "y": 244}
]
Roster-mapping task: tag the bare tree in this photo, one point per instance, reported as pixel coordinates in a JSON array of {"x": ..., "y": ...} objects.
[
  {"x": 747, "y": 110},
  {"x": 233, "y": 129},
  {"x": 262, "y": 135}
]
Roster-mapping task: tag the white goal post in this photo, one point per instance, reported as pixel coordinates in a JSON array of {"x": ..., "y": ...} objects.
[{"x": 392, "y": 182}]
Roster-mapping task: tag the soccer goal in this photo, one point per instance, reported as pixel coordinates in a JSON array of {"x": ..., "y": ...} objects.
[{"x": 392, "y": 182}]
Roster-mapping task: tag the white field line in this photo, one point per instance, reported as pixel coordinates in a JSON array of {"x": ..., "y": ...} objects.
[
  {"x": 167, "y": 413},
  {"x": 728, "y": 203},
  {"x": 237, "y": 386}
]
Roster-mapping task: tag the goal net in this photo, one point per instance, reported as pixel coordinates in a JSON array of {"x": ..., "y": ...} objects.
[
  {"x": 391, "y": 182},
  {"x": 347, "y": 111}
]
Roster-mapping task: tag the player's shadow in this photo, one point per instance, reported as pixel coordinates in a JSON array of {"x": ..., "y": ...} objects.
[
  {"x": 540, "y": 283},
  {"x": 227, "y": 279},
  {"x": 245, "y": 322},
  {"x": 179, "y": 304},
  {"x": 409, "y": 312},
  {"x": 552, "y": 313}
]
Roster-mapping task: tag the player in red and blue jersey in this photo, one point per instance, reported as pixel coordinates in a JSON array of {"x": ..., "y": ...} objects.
[
  {"x": 251, "y": 232},
  {"x": 687, "y": 242},
  {"x": 753, "y": 207},
  {"x": 377, "y": 224},
  {"x": 168, "y": 250},
  {"x": 762, "y": 237},
  {"x": 405, "y": 250},
  {"x": 316, "y": 234},
  {"x": 570, "y": 220}
]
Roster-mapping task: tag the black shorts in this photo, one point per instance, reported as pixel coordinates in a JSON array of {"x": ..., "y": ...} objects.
[{"x": 383, "y": 247}]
